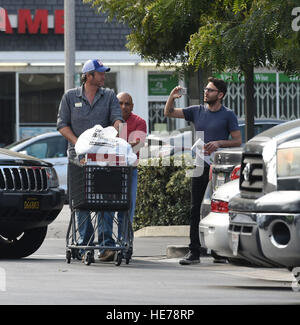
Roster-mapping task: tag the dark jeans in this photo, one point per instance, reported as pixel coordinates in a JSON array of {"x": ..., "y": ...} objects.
[{"x": 199, "y": 185}]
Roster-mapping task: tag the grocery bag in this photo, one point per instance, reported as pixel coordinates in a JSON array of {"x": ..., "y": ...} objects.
[{"x": 107, "y": 147}]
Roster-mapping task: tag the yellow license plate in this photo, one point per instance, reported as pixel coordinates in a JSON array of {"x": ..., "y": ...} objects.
[{"x": 31, "y": 203}]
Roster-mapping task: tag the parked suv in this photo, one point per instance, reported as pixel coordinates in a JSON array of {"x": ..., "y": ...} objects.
[
  {"x": 30, "y": 199},
  {"x": 264, "y": 216},
  {"x": 50, "y": 147}
]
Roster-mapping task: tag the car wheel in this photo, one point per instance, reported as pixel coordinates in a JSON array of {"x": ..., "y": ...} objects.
[
  {"x": 239, "y": 262},
  {"x": 216, "y": 256},
  {"x": 22, "y": 244}
]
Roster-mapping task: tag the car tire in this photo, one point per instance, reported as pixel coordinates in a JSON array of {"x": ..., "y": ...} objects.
[
  {"x": 239, "y": 262},
  {"x": 216, "y": 256},
  {"x": 23, "y": 244}
]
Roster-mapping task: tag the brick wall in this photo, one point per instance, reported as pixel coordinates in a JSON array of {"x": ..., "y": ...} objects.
[{"x": 92, "y": 31}]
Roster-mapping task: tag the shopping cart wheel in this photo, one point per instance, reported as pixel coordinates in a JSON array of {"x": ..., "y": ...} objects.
[
  {"x": 128, "y": 255},
  {"x": 78, "y": 254},
  {"x": 68, "y": 256},
  {"x": 119, "y": 259},
  {"x": 88, "y": 258}
]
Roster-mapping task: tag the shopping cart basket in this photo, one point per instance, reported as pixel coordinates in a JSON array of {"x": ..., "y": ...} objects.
[{"x": 97, "y": 189}]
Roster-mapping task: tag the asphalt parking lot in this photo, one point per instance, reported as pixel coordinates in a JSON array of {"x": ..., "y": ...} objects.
[{"x": 150, "y": 278}]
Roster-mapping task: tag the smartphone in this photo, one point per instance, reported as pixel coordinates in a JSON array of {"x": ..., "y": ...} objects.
[{"x": 182, "y": 91}]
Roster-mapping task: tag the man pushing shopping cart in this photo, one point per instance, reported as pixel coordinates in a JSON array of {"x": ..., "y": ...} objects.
[{"x": 81, "y": 109}]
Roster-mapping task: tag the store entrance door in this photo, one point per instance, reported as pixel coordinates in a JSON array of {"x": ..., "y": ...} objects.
[{"x": 40, "y": 95}]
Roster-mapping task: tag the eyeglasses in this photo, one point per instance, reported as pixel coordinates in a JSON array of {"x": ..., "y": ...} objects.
[{"x": 210, "y": 90}]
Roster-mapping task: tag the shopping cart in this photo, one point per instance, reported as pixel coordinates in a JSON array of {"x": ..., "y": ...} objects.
[{"x": 98, "y": 189}]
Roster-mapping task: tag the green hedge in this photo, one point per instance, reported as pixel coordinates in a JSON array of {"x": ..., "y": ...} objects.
[{"x": 163, "y": 196}]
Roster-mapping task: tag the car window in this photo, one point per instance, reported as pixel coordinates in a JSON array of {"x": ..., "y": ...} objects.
[
  {"x": 38, "y": 150},
  {"x": 57, "y": 147},
  {"x": 53, "y": 147},
  {"x": 268, "y": 126},
  {"x": 258, "y": 128}
]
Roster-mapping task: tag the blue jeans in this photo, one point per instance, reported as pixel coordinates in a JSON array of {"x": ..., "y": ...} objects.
[
  {"x": 134, "y": 182},
  {"x": 105, "y": 223},
  {"x": 86, "y": 229},
  {"x": 108, "y": 220}
]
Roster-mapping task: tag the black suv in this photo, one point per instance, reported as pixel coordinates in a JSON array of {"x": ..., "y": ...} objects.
[{"x": 30, "y": 199}]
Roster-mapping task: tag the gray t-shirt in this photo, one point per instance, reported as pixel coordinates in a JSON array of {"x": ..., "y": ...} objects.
[
  {"x": 76, "y": 112},
  {"x": 216, "y": 125}
]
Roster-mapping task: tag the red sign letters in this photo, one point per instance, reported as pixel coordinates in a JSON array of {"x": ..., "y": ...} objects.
[{"x": 32, "y": 24}]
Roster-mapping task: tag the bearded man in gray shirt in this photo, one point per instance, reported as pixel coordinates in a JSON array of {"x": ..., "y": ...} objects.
[{"x": 81, "y": 109}]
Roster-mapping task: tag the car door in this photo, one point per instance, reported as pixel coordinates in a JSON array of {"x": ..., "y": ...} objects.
[{"x": 54, "y": 150}]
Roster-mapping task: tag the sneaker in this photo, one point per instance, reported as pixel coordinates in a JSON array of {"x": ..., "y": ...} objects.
[
  {"x": 189, "y": 259},
  {"x": 83, "y": 257},
  {"x": 107, "y": 255}
]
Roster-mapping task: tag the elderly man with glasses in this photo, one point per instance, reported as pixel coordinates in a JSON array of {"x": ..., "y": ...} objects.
[{"x": 217, "y": 122}]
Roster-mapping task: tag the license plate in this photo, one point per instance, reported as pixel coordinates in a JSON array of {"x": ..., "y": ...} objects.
[
  {"x": 220, "y": 180},
  {"x": 31, "y": 203},
  {"x": 235, "y": 243},
  {"x": 221, "y": 176}
]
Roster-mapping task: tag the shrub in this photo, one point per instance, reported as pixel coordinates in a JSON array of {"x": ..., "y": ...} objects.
[{"x": 163, "y": 196}]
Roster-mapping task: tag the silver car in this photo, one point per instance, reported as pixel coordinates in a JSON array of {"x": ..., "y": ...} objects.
[
  {"x": 50, "y": 147},
  {"x": 214, "y": 227}
]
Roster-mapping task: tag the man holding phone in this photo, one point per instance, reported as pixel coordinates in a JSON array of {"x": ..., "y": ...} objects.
[{"x": 217, "y": 122}]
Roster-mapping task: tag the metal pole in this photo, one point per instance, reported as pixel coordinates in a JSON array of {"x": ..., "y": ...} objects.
[
  {"x": 277, "y": 96},
  {"x": 69, "y": 41},
  {"x": 17, "y": 108}
]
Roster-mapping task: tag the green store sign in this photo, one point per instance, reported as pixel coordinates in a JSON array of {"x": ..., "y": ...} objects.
[
  {"x": 161, "y": 84},
  {"x": 258, "y": 77}
]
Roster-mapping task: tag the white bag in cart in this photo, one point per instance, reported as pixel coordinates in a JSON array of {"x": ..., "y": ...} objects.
[{"x": 104, "y": 143}]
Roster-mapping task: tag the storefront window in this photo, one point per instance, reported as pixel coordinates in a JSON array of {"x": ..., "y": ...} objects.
[
  {"x": 40, "y": 95},
  {"x": 111, "y": 81},
  {"x": 157, "y": 120},
  {"x": 159, "y": 88}
]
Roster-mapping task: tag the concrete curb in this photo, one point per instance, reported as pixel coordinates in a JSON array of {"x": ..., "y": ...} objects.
[
  {"x": 175, "y": 251},
  {"x": 172, "y": 251},
  {"x": 163, "y": 231}
]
